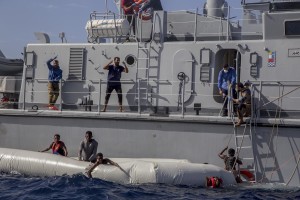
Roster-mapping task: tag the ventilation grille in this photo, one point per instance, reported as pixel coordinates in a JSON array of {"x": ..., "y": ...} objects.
[
  {"x": 76, "y": 63},
  {"x": 205, "y": 73}
]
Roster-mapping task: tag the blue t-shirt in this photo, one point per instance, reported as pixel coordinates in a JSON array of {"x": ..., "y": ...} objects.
[
  {"x": 224, "y": 78},
  {"x": 114, "y": 75}
]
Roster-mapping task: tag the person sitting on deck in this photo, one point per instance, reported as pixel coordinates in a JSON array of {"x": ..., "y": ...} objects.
[
  {"x": 230, "y": 162},
  {"x": 57, "y": 146},
  {"x": 244, "y": 103},
  {"x": 100, "y": 160}
]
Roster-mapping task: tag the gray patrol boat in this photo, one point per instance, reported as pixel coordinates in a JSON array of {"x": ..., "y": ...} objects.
[{"x": 171, "y": 99}]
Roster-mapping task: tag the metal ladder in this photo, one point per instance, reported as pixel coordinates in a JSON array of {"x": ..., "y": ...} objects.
[
  {"x": 144, "y": 58},
  {"x": 244, "y": 143}
]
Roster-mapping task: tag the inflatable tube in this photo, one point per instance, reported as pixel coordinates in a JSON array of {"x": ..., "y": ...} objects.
[{"x": 134, "y": 171}]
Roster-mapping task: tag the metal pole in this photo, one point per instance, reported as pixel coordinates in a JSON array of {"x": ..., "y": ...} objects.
[
  {"x": 24, "y": 96},
  {"x": 99, "y": 102},
  {"x": 60, "y": 93},
  {"x": 196, "y": 25},
  {"x": 139, "y": 96},
  {"x": 182, "y": 98},
  {"x": 259, "y": 99},
  {"x": 228, "y": 16}
]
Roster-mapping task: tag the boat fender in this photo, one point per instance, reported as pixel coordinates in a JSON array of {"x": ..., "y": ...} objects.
[{"x": 247, "y": 175}]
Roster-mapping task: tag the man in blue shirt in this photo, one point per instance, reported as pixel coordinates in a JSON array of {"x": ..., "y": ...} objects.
[
  {"x": 55, "y": 75},
  {"x": 226, "y": 80},
  {"x": 113, "y": 81}
]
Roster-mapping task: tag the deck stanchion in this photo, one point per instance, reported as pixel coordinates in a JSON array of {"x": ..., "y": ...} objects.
[
  {"x": 99, "y": 102},
  {"x": 60, "y": 93},
  {"x": 24, "y": 96},
  {"x": 139, "y": 96}
]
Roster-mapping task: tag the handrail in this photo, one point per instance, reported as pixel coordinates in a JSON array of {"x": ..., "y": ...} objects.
[{"x": 256, "y": 89}]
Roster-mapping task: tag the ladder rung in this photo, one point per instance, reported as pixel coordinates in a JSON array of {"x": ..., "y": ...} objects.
[
  {"x": 240, "y": 136},
  {"x": 143, "y": 48},
  {"x": 143, "y": 58},
  {"x": 248, "y": 158},
  {"x": 246, "y": 147}
]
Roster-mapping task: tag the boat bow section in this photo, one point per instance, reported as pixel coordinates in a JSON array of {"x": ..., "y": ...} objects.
[{"x": 133, "y": 171}]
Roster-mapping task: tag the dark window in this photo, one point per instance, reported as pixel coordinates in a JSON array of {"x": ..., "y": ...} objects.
[{"x": 292, "y": 28}]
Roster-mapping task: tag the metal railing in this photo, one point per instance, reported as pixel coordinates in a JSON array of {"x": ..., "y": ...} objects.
[{"x": 266, "y": 95}]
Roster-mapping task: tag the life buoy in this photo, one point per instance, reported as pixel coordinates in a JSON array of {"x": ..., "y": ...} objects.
[
  {"x": 214, "y": 182},
  {"x": 146, "y": 14},
  {"x": 247, "y": 175}
]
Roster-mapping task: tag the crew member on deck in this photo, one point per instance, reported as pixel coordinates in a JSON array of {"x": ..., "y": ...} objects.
[
  {"x": 113, "y": 81},
  {"x": 55, "y": 75},
  {"x": 128, "y": 6},
  {"x": 155, "y": 4},
  {"x": 226, "y": 82},
  {"x": 100, "y": 160},
  {"x": 58, "y": 147},
  {"x": 230, "y": 162}
]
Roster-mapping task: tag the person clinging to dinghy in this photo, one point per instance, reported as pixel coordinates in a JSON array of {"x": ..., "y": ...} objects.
[
  {"x": 230, "y": 162},
  {"x": 55, "y": 75},
  {"x": 58, "y": 147},
  {"x": 101, "y": 161}
]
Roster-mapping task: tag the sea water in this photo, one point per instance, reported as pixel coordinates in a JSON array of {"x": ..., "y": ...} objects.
[{"x": 80, "y": 187}]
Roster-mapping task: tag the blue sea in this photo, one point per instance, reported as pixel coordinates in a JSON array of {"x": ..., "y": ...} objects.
[{"x": 79, "y": 187}]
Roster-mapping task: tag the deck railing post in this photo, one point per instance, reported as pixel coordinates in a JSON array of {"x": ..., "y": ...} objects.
[
  {"x": 228, "y": 17},
  {"x": 60, "y": 93},
  {"x": 24, "y": 96},
  {"x": 182, "y": 97},
  {"x": 99, "y": 102},
  {"x": 196, "y": 25},
  {"x": 139, "y": 96}
]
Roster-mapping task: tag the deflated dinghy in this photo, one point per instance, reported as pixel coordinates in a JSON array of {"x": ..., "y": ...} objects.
[{"x": 133, "y": 171}]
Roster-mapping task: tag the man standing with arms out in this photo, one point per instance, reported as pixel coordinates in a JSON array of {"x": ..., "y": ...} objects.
[
  {"x": 226, "y": 81},
  {"x": 88, "y": 147},
  {"x": 55, "y": 75},
  {"x": 113, "y": 80}
]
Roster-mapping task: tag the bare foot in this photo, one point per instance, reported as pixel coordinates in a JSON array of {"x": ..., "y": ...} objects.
[
  {"x": 121, "y": 109},
  {"x": 104, "y": 110}
]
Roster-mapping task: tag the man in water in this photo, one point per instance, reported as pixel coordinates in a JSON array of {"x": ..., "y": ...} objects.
[
  {"x": 58, "y": 147},
  {"x": 89, "y": 148},
  {"x": 230, "y": 162},
  {"x": 55, "y": 75},
  {"x": 113, "y": 81},
  {"x": 226, "y": 81},
  {"x": 101, "y": 161}
]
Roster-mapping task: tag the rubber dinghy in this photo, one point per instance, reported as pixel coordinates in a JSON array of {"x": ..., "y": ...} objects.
[{"x": 139, "y": 171}]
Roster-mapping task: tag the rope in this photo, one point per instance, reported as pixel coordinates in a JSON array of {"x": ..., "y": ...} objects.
[
  {"x": 279, "y": 97},
  {"x": 294, "y": 171}
]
